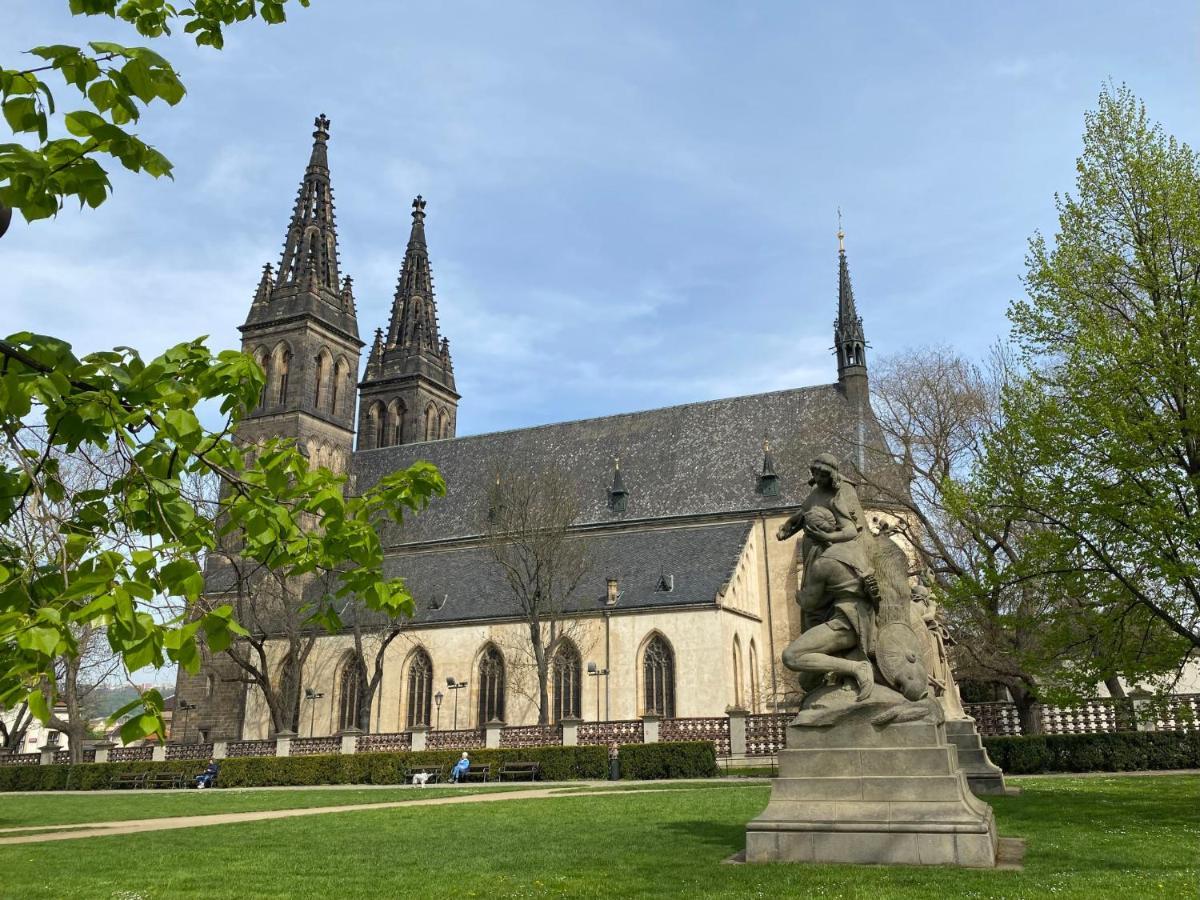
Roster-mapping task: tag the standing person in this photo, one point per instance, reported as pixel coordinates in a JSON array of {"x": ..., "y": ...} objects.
[
  {"x": 459, "y": 772},
  {"x": 208, "y": 777}
]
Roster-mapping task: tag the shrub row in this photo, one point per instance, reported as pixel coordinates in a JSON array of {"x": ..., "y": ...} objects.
[
  {"x": 1121, "y": 752},
  {"x": 667, "y": 760},
  {"x": 671, "y": 759}
]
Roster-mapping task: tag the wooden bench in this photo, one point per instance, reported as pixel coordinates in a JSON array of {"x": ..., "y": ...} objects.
[
  {"x": 129, "y": 780},
  {"x": 434, "y": 773},
  {"x": 168, "y": 779},
  {"x": 515, "y": 770},
  {"x": 477, "y": 773}
]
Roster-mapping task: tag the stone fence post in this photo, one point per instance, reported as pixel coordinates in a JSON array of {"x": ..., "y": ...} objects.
[
  {"x": 419, "y": 734},
  {"x": 349, "y": 738},
  {"x": 283, "y": 743},
  {"x": 103, "y": 748},
  {"x": 220, "y": 749},
  {"x": 47, "y": 751},
  {"x": 570, "y": 732},
  {"x": 737, "y": 730},
  {"x": 158, "y": 752},
  {"x": 492, "y": 733},
  {"x": 650, "y": 723}
]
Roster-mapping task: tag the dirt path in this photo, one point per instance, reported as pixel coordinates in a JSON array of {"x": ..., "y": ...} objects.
[{"x": 136, "y": 826}]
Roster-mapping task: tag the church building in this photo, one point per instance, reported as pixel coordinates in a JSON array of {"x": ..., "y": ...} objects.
[{"x": 688, "y": 599}]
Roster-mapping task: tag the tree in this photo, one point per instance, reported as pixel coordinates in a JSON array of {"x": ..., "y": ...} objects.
[
  {"x": 937, "y": 412},
  {"x": 288, "y": 519},
  {"x": 1100, "y": 449},
  {"x": 114, "y": 82},
  {"x": 543, "y": 564}
]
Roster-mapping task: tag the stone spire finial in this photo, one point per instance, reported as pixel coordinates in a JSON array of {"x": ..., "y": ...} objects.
[
  {"x": 849, "y": 340},
  {"x": 310, "y": 255},
  {"x": 321, "y": 124}
]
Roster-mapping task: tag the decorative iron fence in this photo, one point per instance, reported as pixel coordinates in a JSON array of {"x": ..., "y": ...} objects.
[
  {"x": 608, "y": 733},
  {"x": 463, "y": 739},
  {"x": 393, "y": 742},
  {"x": 20, "y": 759},
  {"x": 189, "y": 751},
  {"x": 314, "y": 745},
  {"x": 766, "y": 733},
  {"x": 995, "y": 719},
  {"x": 250, "y": 748},
  {"x": 128, "y": 754},
  {"x": 531, "y": 736},
  {"x": 699, "y": 729}
]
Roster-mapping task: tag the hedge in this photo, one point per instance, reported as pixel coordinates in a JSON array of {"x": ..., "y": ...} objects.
[
  {"x": 671, "y": 759},
  {"x": 1120, "y": 752},
  {"x": 667, "y": 760}
]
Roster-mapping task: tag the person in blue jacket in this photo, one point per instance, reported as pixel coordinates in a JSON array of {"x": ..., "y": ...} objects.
[
  {"x": 460, "y": 768},
  {"x": 208, "y": 777}
]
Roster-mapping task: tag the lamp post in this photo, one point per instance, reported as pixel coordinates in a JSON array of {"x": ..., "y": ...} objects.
[
  {"x": 184, "y": 707},
  {"x": 455, "y": 686},
  {"x": 437, "y": 701},
  {"x": 594, "y": 671},
  {"x": 313, "y": 696}
]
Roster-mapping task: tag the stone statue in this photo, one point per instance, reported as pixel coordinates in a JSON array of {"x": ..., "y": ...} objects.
[
  {"x": 937, "y": 660},
  {"x": 856, "y": 603},
  {"x": 868, "y": 774}
]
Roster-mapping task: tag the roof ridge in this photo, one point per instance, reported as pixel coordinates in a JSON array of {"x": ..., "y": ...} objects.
[{"x": 613, "y": 416}]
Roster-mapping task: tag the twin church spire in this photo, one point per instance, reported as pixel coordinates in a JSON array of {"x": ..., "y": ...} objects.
[{"x": 303, "y": 329}]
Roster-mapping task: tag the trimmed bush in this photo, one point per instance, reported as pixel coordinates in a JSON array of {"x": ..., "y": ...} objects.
[
  {"x": 672, "y": 759},
  {"x": 558, "y": 764},
  {"x": 1120, "y": 752}
]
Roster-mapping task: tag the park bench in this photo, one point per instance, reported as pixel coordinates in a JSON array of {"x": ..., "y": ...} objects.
[
  {"x": 168, "y": 779},
  {"x": 434, "y": 773},
  {"x": 515, "y": 770},
  {"x": 129, "y": 780},
  {"x": 477, "y": 773}
]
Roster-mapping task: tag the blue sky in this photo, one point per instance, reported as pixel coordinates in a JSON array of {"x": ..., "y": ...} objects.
[{"x": 630, "y": 205}]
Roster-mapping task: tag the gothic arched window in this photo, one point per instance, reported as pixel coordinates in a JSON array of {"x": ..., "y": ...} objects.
[
  {"x": 260, "y": 357},
  {"x": 289, "y": 690},
  {"x": 491, "y": 686},
  {"x": 443, "y": 424},
  {"x": 737, "y": 672},
  {"x": 377, "y": 418},
  {"x": 281, "y": 374},
  {"x": 430, "y": 423},
  {"x": 754, "y": 693},
  {"x": 350, "y": 687},
  {"x": 321, "y": 372},
  {"x": 658, "y": 675},
  {"x": 341, "y": 373},
  {"x": 566, "y": 670},
  {"x": 420, "y": 688},
  {"x": 396, "y": 423}
]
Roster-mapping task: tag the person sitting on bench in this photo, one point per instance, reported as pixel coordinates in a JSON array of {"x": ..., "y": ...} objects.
[
  {"x": 459, "y": 772},
  {"x": 206, "y": 778}
]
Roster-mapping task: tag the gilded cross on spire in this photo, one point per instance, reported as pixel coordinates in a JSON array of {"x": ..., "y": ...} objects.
[{"x": 321, "y": 123}]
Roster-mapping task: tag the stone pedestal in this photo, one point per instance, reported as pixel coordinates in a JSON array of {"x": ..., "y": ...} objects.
[
  {"x": 983, "y": 775},
  {"x": 858, "y": 792}
]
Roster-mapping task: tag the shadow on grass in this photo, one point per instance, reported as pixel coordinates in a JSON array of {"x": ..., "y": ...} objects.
[{"x": 729, "y": 838}]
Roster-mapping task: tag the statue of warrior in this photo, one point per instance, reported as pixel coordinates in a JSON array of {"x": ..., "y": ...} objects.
[{"x": 841, "y": 597}]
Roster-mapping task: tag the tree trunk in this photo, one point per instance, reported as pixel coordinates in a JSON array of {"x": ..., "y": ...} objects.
[
  {"x": 1028, "y": 709},
  {"x": 1115, "y": 689}
]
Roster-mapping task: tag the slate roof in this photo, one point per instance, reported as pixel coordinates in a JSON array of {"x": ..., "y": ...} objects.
[
  {"x": 698, "y": 459},
  {"x": 465, "y": 583}
]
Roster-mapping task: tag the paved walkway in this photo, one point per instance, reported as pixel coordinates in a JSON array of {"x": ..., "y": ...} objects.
[{"x": 169, "y": 823}]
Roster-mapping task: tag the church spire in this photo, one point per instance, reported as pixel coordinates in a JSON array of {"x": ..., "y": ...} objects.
[
  {"x": 849, "y": 342},
  {"x": 407, "y": 393},
  {"x": 310, "y": 247}
]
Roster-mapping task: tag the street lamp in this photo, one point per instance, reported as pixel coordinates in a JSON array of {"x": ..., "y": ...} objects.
[
  {"x": 595, "y": 671},
  {"x": 455, "y": 686},
  {"x": 184, "y": 707},
  {"x": 314, "y": 696},
  {"x": 437, "y": 701}
]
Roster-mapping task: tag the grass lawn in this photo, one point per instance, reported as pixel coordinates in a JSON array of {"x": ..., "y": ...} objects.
[
  {"x": 1088, "y": 838},
  {"x": 25, "y": 810}
]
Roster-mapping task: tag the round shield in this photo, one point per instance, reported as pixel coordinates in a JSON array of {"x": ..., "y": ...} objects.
[{"x": 898, "y": 653}]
